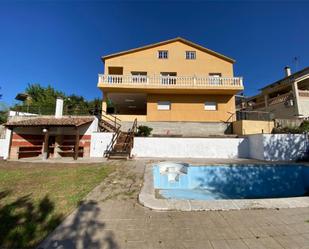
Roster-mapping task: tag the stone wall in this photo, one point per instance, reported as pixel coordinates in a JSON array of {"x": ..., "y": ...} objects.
[{"x": 184, "y": 129}]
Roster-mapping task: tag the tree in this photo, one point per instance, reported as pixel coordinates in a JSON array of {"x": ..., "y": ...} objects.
[
  {"x": 3, "y": 111},
  {"x": 42, "y": 100}
]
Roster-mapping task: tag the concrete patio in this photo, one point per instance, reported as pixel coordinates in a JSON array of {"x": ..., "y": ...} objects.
[{"x": 112, "y": 218}]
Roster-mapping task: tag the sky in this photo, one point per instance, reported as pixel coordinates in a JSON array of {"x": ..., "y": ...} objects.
[{"x": 61, "y": 42}]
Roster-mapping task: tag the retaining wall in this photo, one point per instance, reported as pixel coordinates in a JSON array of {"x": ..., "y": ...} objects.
[
  {"x": 184, "y": 129},
  {"x": 99, "y": 143},
  {"x": 190, "y": 147},
  {"x": 278, "y": 147},
  {"x": 247, "y": 127},
  {"x": 269, "y": 147}
]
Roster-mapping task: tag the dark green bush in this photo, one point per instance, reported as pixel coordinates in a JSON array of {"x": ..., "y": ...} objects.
[
  {"x": 286, "y": 130},
  {"x": 144, "y": 131},
  {"x": 304, "y": 127}
]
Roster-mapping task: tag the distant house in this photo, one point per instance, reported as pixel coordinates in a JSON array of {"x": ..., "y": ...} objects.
[
  {"x": 285, "y": 98},
  {"x": 170, "y": 81}
]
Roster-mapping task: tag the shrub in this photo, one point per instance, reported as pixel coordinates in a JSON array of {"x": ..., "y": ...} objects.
[
  {"x": 304, "y": 127},
  {"x": 286, "y": 130},
  {"x": 144, "y": 131}
]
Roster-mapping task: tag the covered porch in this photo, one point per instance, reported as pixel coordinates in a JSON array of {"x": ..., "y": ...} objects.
[
  {"x": 50, "y": 137},
  {"x": 125, "y": 106}
]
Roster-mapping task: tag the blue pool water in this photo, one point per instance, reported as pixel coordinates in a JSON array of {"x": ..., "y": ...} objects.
[{"x": 233, "y": 181}]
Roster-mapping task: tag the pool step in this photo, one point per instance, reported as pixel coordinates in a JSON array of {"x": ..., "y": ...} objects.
[{"x": 173, "y": 170}]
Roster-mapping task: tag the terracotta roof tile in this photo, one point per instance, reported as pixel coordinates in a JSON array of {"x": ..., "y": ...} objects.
[{"x": 50, "y": 121}]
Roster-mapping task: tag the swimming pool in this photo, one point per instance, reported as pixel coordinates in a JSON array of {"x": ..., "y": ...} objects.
[{"x": 233, "y": 181}]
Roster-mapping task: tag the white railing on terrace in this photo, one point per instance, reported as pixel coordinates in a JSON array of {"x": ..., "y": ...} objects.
[{"x": 171, "y": 81}]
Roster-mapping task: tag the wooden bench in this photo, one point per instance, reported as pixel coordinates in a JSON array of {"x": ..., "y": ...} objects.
[
  {"x": 28, "y": 150},
  {"x": 69, "y": 150}
]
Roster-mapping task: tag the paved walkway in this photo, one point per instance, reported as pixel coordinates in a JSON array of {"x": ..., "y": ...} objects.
[{"x": 111, "y": 218}]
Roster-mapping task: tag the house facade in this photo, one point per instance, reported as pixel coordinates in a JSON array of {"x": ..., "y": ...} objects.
[
  {"x": 174, "y": 80},
  {"x": 286, "y": 98}
]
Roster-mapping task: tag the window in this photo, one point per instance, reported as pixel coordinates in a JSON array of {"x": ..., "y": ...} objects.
[
  {"x": 210, "y": 106},
  {"x": 215, "y": 79},
  {"x": 168, "y": 78},
  {"x": 164, "y": 105},
  {"x": 139, "y": 77},
  {"x": 190, "y": 55},
  {"x": 215, "y": 74},
  {"x": 162, "y": 54}
]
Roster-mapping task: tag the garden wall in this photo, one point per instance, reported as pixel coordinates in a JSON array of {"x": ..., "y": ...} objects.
[
  {"x": 247, "y": 127},
  {"x": 278, "y": 147},
  {"x": 99, "y": 143},
  {"x": 190, "y": 147},
  {"x": 269, "y": 147}
]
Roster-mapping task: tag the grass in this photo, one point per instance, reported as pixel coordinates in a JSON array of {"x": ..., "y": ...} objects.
[{"x": 35, "y": 198}]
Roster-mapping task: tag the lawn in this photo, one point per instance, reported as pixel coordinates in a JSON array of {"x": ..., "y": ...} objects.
[{"x": 35, "y": 198}]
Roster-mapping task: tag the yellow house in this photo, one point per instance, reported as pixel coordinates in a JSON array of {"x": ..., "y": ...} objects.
[{"x": 173, "y": 80}]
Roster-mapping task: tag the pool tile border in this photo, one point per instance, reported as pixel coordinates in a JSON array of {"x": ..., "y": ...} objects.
[{"x": 147, "y": 198}]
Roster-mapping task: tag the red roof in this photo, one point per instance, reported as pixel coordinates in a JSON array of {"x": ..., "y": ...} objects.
[{"x": 50, "y": 121}]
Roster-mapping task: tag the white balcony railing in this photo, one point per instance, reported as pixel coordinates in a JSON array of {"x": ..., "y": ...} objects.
[{"x": 170, "y": 81}]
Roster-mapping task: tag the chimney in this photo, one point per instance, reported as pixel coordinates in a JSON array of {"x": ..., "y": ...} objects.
[
  {"x": 287, "y": 71},
  {"x": 59, "y": 108}
]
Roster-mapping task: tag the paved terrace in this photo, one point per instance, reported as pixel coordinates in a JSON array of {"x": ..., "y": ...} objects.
[{"x": 111, "y": 218}]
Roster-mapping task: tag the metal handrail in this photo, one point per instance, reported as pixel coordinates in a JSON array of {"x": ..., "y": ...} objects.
[
  {"x": 110, "y": 146},
  {"x": 114, "y": 120},
  {"x": 129, "y": 142}
]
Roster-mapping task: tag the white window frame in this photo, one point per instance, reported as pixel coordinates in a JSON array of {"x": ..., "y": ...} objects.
[
  {"x": 164, "y": 105},
  {"x": 190, "y": 55},
  {"x": 210, "y": 106},
  {"x": 163, "y": 54}
]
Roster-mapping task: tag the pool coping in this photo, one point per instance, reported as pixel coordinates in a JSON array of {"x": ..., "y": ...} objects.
[{"x": 147, "y": 198}]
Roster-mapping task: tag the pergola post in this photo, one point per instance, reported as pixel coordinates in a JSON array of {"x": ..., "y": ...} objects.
[
  {"x": 45, "y": 144},
  {"x": 76, "y": 147}
]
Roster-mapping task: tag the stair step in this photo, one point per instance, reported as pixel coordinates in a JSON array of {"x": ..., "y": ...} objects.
[
  {"x": 106, "y": 126},
  {"x": 122, "y": 147},
  {"x": 118, "y": 155},
  {"x": 115, "y": 157}
]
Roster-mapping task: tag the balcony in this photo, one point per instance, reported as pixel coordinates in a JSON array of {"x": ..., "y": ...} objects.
[{"x": 234, "y": 84}]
